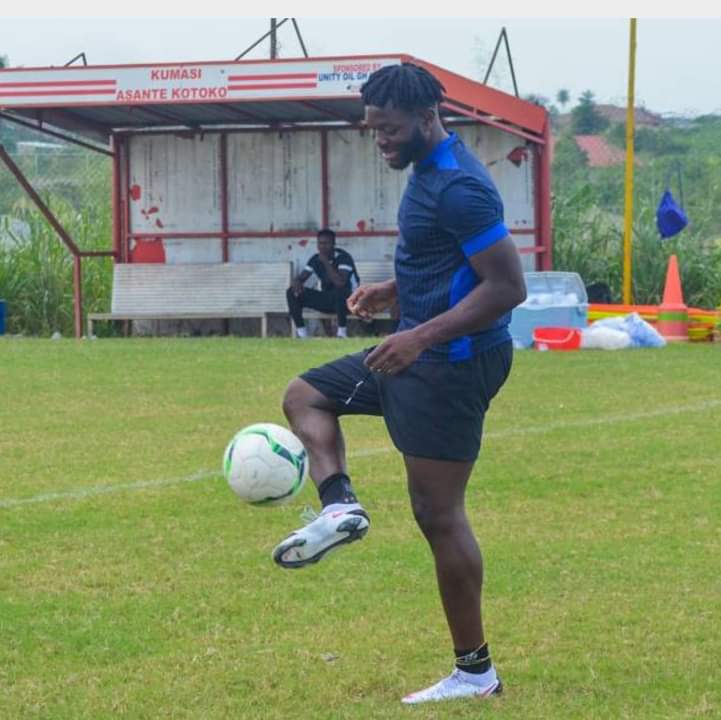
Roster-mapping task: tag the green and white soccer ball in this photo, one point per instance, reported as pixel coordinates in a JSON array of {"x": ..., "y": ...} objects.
[{"x": 265, "y": 464}]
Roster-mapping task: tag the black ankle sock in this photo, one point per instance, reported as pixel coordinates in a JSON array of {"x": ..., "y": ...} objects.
[
  {"x": 336, "y": 489},
  {"x": 474, "y": 661}
]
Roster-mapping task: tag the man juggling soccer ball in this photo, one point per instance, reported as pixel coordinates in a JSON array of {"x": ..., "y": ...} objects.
[{"x": 457, "y": 277}]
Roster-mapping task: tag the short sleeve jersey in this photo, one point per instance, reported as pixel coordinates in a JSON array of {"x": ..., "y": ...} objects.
[
  {"x": 450, "y": 210},
  {"x": 342, "y": 260}
]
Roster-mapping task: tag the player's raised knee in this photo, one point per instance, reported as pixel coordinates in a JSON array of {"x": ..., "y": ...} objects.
[{"x": 297, "y": 398}]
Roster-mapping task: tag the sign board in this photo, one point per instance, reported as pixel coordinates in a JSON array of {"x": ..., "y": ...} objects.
[{"x": 186, "y": 83}]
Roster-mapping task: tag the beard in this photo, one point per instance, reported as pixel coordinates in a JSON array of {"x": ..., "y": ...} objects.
[{"x": 410, "y": 151}]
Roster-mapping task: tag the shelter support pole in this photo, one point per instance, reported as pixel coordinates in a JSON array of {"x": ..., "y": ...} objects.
[
  {"x": 628, "y": 208},
  {"x": 78, "y": 295},
  {"x": 546, "y": 231},
  {"x": 223, "y": 145},
  {"x": 274, "y": 38},
  {"x": 325, "y": 181},
  {"x": 300, "y": 37},
  {"x": 127, "y": 226},
  {"x": 543, "y": 216},
  {"x": 116, "y": 202},
  {"x": 224, "y": 195}
]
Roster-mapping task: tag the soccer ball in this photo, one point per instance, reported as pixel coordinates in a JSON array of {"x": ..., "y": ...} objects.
[{"x": 265, "y": 464}]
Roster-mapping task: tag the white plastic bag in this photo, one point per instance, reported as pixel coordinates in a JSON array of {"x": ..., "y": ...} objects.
[
  {"x": 599, "y": 337},
  {"x": 641, "y": 333}
]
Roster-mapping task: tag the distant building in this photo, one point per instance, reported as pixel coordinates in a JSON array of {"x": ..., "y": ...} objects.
[{"x": 599, "y": 151}]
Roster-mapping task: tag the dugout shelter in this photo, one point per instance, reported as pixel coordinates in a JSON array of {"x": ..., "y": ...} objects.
[{"x": 243, "y": 161}]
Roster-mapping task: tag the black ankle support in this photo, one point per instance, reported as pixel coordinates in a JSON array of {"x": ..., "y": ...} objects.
[
  {"x": 474, "y": 661},
  {"x": 336, "y": 489}
]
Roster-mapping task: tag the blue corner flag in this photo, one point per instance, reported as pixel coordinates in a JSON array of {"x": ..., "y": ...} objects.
[{"x": 670, "y": 217}]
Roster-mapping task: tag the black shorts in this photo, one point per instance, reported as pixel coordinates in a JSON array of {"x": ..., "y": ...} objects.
[{"x": 432, "y": 409}]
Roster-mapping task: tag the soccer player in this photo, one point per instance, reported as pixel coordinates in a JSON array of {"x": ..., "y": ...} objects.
[{"x": 457, "y": 276}]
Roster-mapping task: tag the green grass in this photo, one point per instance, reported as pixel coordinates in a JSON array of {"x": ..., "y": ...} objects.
[{"x": 134, "y": 585}]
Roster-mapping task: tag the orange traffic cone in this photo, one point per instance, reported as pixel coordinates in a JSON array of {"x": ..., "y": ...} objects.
[{"x": 672, "y": 312}]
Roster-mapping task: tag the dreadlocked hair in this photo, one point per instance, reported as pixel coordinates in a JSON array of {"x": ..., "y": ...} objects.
[{"x": 406, "y": 87}]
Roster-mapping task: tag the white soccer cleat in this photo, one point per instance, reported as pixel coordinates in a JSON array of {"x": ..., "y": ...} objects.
[
  {"x": 455, "y": 686},
  {"x": 336, "y": 525}
]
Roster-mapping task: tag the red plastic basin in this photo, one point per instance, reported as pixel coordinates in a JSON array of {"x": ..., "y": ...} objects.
[{"x": 554, "y": 338}]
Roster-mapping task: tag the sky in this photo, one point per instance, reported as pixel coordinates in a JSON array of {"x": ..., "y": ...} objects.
[{"x": 677, "y": 68}]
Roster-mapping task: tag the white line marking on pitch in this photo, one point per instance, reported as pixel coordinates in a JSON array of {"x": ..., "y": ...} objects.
[{"x": 82, "y": 493}]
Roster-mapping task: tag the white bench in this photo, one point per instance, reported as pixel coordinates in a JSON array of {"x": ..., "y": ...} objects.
[
  {"x": 195, "y": 291},
  {"x": 369, "y": 271}
]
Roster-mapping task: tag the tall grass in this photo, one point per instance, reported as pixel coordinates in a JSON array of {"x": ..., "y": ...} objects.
[
  {"x": 589, "y": 208},
  {"x": 589, "y": 240},
  {"x": 36, "y": 270}
]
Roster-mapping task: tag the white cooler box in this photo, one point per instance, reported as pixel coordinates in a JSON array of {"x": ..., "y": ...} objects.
[{"x": 555, "y": 299}]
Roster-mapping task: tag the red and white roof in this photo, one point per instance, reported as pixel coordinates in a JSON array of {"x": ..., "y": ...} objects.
[{"x": 104, "y": 99}]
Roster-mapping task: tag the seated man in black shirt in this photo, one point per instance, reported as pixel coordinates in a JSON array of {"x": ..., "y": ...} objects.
[{"x": 336, "y": 271}]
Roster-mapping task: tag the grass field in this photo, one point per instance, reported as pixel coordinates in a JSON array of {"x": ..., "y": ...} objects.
[{"x": 134, "y": 585}]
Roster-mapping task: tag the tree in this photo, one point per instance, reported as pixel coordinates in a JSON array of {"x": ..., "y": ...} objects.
[
  {"x": 4, "y": 62},
  {"x": 585, "y": 118},
  {"x": 563, "y": 97}
]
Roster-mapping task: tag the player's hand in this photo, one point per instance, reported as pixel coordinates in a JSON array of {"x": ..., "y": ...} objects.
[
  {"x": 297, "y": 288},
  {"x": 395, "y": 353},
  {"x": 367, "y": 300}
]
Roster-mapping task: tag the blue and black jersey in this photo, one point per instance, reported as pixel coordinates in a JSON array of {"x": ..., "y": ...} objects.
[{"x": 450, "y": 211}]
